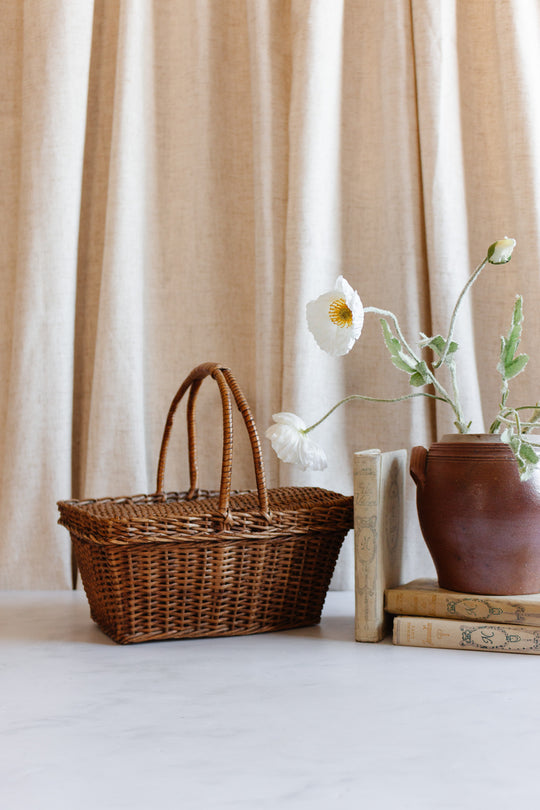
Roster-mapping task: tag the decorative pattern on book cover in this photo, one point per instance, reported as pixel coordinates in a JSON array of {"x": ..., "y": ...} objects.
[
  {"x": 421, "y": 631},
  {"x": 424, "y": 597},
  {"x": 379, "y": 481}
]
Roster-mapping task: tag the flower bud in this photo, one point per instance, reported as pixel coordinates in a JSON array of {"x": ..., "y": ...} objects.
[{"x": 500, "y": 252}]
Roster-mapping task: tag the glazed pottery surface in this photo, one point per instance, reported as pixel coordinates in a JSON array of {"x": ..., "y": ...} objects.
[{"x": 480, "y": 522}]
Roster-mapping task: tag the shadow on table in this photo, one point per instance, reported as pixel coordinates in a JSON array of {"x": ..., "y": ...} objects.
[
  {"x": 65, "y": 617},
  {"x": 40, "y": 617},
  {"x": 331, "y": 628}
]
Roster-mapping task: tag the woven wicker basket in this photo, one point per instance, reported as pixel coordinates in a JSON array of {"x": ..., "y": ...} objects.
[{"x": 192, "y": 564}]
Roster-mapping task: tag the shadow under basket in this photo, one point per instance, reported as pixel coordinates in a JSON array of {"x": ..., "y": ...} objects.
[{"x": 197, "y": 564}]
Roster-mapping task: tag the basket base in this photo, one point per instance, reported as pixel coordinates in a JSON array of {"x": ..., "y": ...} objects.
[{"x": 163, "y": 592}]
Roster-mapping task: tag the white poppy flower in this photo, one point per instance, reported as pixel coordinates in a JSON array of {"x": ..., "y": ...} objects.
[
  {"x": 336, "y": 318},
  {"x": 294, "y": 446},
  {"x": 500, "y": 252}
]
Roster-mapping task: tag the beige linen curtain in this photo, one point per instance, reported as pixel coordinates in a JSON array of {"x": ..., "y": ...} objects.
[{"x": 180, "y": 177}]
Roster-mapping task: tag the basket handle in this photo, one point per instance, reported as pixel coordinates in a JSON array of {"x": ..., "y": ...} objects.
[{"x": 226, "y": 382}]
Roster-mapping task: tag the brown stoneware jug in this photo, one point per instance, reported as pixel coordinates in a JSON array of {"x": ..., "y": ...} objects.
[{"x": 480, "y": 522}]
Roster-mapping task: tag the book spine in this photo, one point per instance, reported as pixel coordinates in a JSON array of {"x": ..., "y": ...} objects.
[
  {"x": 420, "y": 631},
  {"x": 469, "y": 607},
  {"x": 378, "y": 530},
  {"x": 369, "y": 612}
]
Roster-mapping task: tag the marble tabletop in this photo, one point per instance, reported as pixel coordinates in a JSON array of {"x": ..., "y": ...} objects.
[{"x": 303, "y": 719}]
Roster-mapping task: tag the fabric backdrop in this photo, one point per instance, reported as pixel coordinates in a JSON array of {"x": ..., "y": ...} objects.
[{"x": 180, "y": 178}]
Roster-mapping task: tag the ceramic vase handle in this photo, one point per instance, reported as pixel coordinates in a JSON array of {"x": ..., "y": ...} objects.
[{"x": 417, "y": 466}]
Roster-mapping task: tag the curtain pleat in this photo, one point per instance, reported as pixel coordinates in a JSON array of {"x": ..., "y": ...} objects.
[
  {"x": 181, "y": 177},
  {"x": 48, "y": 52},
  {"x": 439, "y": 94},
  {"x": 270, "y": 77},
  {"x": 117, "y": 407}
]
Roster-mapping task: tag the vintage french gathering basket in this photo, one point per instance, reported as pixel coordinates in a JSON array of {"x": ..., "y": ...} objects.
[{"x": 177, "y": 565}]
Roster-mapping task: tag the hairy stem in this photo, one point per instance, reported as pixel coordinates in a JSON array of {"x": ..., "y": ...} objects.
[
  {"x": 369, "y": 399},
  {"x": 444, "y": 395},
  {"x": 462, "y": 294},
  {"x": 386, "y": 313}
]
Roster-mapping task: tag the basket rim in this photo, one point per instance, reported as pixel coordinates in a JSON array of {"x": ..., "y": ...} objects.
[
  {"x": 330, "y": 514},
  {"x": 177, "y": 496}
]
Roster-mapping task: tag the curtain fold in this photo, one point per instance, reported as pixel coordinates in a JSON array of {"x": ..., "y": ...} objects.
[
  {"x": 182, "y": 177},
  {"x": 270, "y": 77},
  {"x": 439, "y": 91},
  {"x": 117, "y": 399},
  {"x": 47, "y": 52}
]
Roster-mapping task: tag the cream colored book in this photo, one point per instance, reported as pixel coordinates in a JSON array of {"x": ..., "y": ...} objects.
[
  {"x": 423, "y": 597},
  {"x": 379, "y": 481},
  {"x": 422, "y": 631}
]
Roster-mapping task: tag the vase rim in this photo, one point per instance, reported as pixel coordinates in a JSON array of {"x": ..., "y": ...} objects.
[{"x": 471, "y": 438}]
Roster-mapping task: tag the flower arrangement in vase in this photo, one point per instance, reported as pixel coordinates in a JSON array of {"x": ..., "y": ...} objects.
[{"x": 481, "y": 525}]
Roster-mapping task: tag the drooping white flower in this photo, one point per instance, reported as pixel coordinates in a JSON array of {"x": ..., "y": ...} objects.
[
  {"x": 500, "y": 252},
  {"x": 294, "y": 446},
  {"x": 336, "y": 318}
]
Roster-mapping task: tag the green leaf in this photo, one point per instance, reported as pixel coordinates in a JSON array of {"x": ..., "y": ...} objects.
[
  {"x": 421, "y": 375},
  {"x": 509, "y": 345},
  {"x": 527, "y": 453},
  {"x": 517, "y": 315},
  {"x": 509, "y": 438},
  {"x": 402, "y": 364},
  {"x": 515, "y": 366},
  {"x": 500, "y": 364},
  {"x": 399, "y": 358},
  {"x": 405, "y": 359},
  {"x": 506, "y": 436},
  {"x": 392, "y": 343},
  {"x": 509, "y": 364},
  {"x": 417, "y": 380},
  {"x": 438, "y": 344}
]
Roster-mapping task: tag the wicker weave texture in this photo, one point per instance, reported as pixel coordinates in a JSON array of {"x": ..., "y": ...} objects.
[
  {"x": 164, "y": 592},
  {"x": 196, "y": 563}
]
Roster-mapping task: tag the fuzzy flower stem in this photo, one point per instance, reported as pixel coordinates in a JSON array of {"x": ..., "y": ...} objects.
[
  {"x": 457, "y": 410},
  {"x": 445, "y": 396},
  {"x": 386, "y": 313},
  {"x": 368, "y": 399},
  {"x": 464, "y": 291},
  {"x": 510, "y": 415},
  {"x": 525, "y": 408}
]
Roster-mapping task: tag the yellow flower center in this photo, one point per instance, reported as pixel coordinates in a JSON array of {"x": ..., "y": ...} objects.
[{"x": 339, "y": 313}]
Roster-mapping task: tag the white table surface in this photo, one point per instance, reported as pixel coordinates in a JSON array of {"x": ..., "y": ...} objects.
[{"x": 301, "y": 719}]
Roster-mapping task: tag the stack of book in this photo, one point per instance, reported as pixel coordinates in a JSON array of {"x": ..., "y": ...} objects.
[
  {"x": 429, "y": 616},
  {"x": 420, "y": 613}
]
